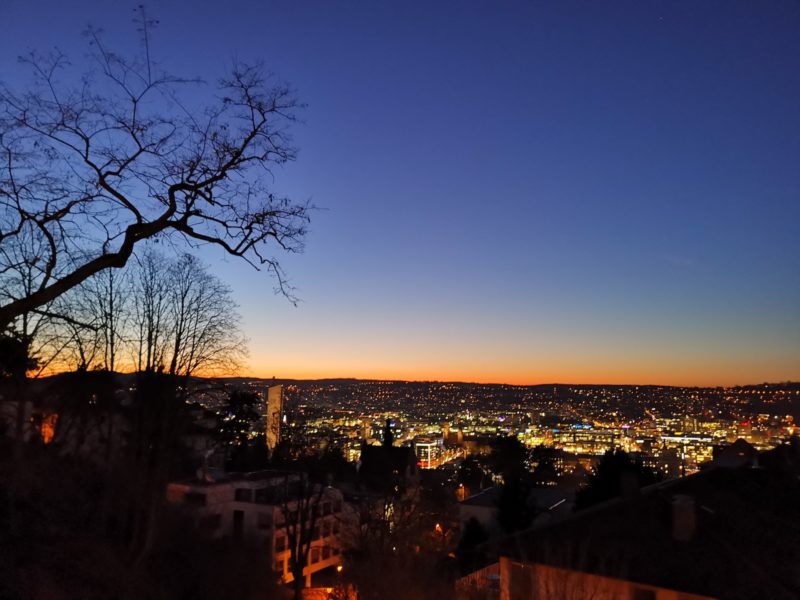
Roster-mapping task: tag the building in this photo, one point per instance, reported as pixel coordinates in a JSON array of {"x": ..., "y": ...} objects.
[
  {"x": 274, "y": 411},
  {"x": 483, "y": 508},
  {"x": 430, "y": 452},
  {"x": 255, "y": 507},
  {"x": 729, "y": 531}
]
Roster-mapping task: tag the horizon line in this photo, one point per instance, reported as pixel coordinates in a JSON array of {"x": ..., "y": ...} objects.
[{"x": 456, "y": 381}]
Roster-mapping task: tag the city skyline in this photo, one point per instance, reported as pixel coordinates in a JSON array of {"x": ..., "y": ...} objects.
[{"x": 527, "y": 194}]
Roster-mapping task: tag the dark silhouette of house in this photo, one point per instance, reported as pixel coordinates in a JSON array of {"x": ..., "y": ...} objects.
[
  {"x": 738, "y": 454},
  {"x": 387, "y": 469},
  {"x": 725, "y": 532}
]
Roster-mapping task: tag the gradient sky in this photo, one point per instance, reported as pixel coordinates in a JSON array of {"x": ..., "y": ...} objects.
[{"x": 516, "y": 192}]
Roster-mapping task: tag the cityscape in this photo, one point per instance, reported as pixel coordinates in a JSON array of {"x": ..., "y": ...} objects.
[{"x": 445, "y": 422}]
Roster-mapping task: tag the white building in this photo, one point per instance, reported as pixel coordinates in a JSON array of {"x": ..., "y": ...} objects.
[{"x": 252, "y": 507}]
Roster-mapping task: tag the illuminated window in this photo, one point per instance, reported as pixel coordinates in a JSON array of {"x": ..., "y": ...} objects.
[{"x": 48, "y": 427}]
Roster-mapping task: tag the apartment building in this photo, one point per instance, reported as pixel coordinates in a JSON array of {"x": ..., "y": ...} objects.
[{"x": 266, "y": 508}]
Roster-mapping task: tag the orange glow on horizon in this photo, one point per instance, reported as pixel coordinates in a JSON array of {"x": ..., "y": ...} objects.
[
  {"x": 643, "y": 372},
  {"x": 611, "y": 377},
  {"x": 576, "y": 377}
]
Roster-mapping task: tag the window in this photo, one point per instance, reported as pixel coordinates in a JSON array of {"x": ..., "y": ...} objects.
[
  {"x": 326, "y": 553},
  {"x": 195, "y": 498},
  {"x": 337, "y": 506},
  {"x": 326, "y": 529},
  {"x": 335, "y": 527},
  {"x": 243, "y": 495},
  {"x": 316, "y": 532},
  {"x": 264, "y": 520},
  {"x": 280, "y": 543},
  {"x": 315, "y": 555}
]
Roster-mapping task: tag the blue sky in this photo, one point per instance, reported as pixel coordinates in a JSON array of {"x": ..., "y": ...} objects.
[{"x": 519, "y": 191}]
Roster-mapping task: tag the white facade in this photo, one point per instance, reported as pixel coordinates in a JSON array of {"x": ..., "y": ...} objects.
[{"x": 250, "y": 507}]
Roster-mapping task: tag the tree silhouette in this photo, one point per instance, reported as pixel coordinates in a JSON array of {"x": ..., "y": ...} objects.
[
  {"x": 236, "y": 419},
  {"x": 15, "y": 360},
  {"x": 93, "y": 169},
  {"x": 471, "y": 474},
  {"x": 614, "y": 475},
  {"x": 514, "y": 509},
  {"x": 471, "y": 556},
  {"x": 508, "y": 456}
]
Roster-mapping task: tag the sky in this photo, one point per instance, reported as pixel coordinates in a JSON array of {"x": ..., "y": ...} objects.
[{"x": 516, "y": 192}]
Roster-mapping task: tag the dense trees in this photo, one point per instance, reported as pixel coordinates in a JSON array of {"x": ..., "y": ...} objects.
[
  {"x": 127, "y": 152},
  {"x": 236, "y": 419}
]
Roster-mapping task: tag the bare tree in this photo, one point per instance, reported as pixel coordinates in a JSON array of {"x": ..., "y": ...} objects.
[
  {"x": 302, "y": 508},
  {"x": 205, "y": 328},
  {"x": 184, "y": 318},
  {"x": 150, "y": 323},
  {"x": 110, "y": 295},
  {"x": 91, "y": 170}
]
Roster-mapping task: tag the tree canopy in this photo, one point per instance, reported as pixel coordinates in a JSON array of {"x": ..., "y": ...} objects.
[{"x": 615, "y": 474}]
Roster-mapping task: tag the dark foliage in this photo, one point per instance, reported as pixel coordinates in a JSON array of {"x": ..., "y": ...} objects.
[
  {"x": 470, "y": 552},
  {"x": 15, "y": 360},
  {"x": 508, "y": 456},
  {"x": 514, "y": 509},
  {"x": 616, "y": 474},
  {"x": 471, "y": 474}
]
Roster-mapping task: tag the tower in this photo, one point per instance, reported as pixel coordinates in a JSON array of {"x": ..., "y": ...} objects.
[
  {"x": 388, "y": 436},
  {"x": 273, "y": 416}
]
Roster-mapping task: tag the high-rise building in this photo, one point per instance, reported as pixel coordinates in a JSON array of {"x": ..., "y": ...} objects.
[{"x": 273, "y": 416}]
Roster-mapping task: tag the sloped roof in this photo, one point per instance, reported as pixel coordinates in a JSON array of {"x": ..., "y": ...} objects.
[
  {"x": 738, "y": 454},
  {"x": 746, "y": 542}
]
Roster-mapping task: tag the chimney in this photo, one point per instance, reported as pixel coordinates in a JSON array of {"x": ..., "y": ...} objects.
[{"x": 684, "y": 518}]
